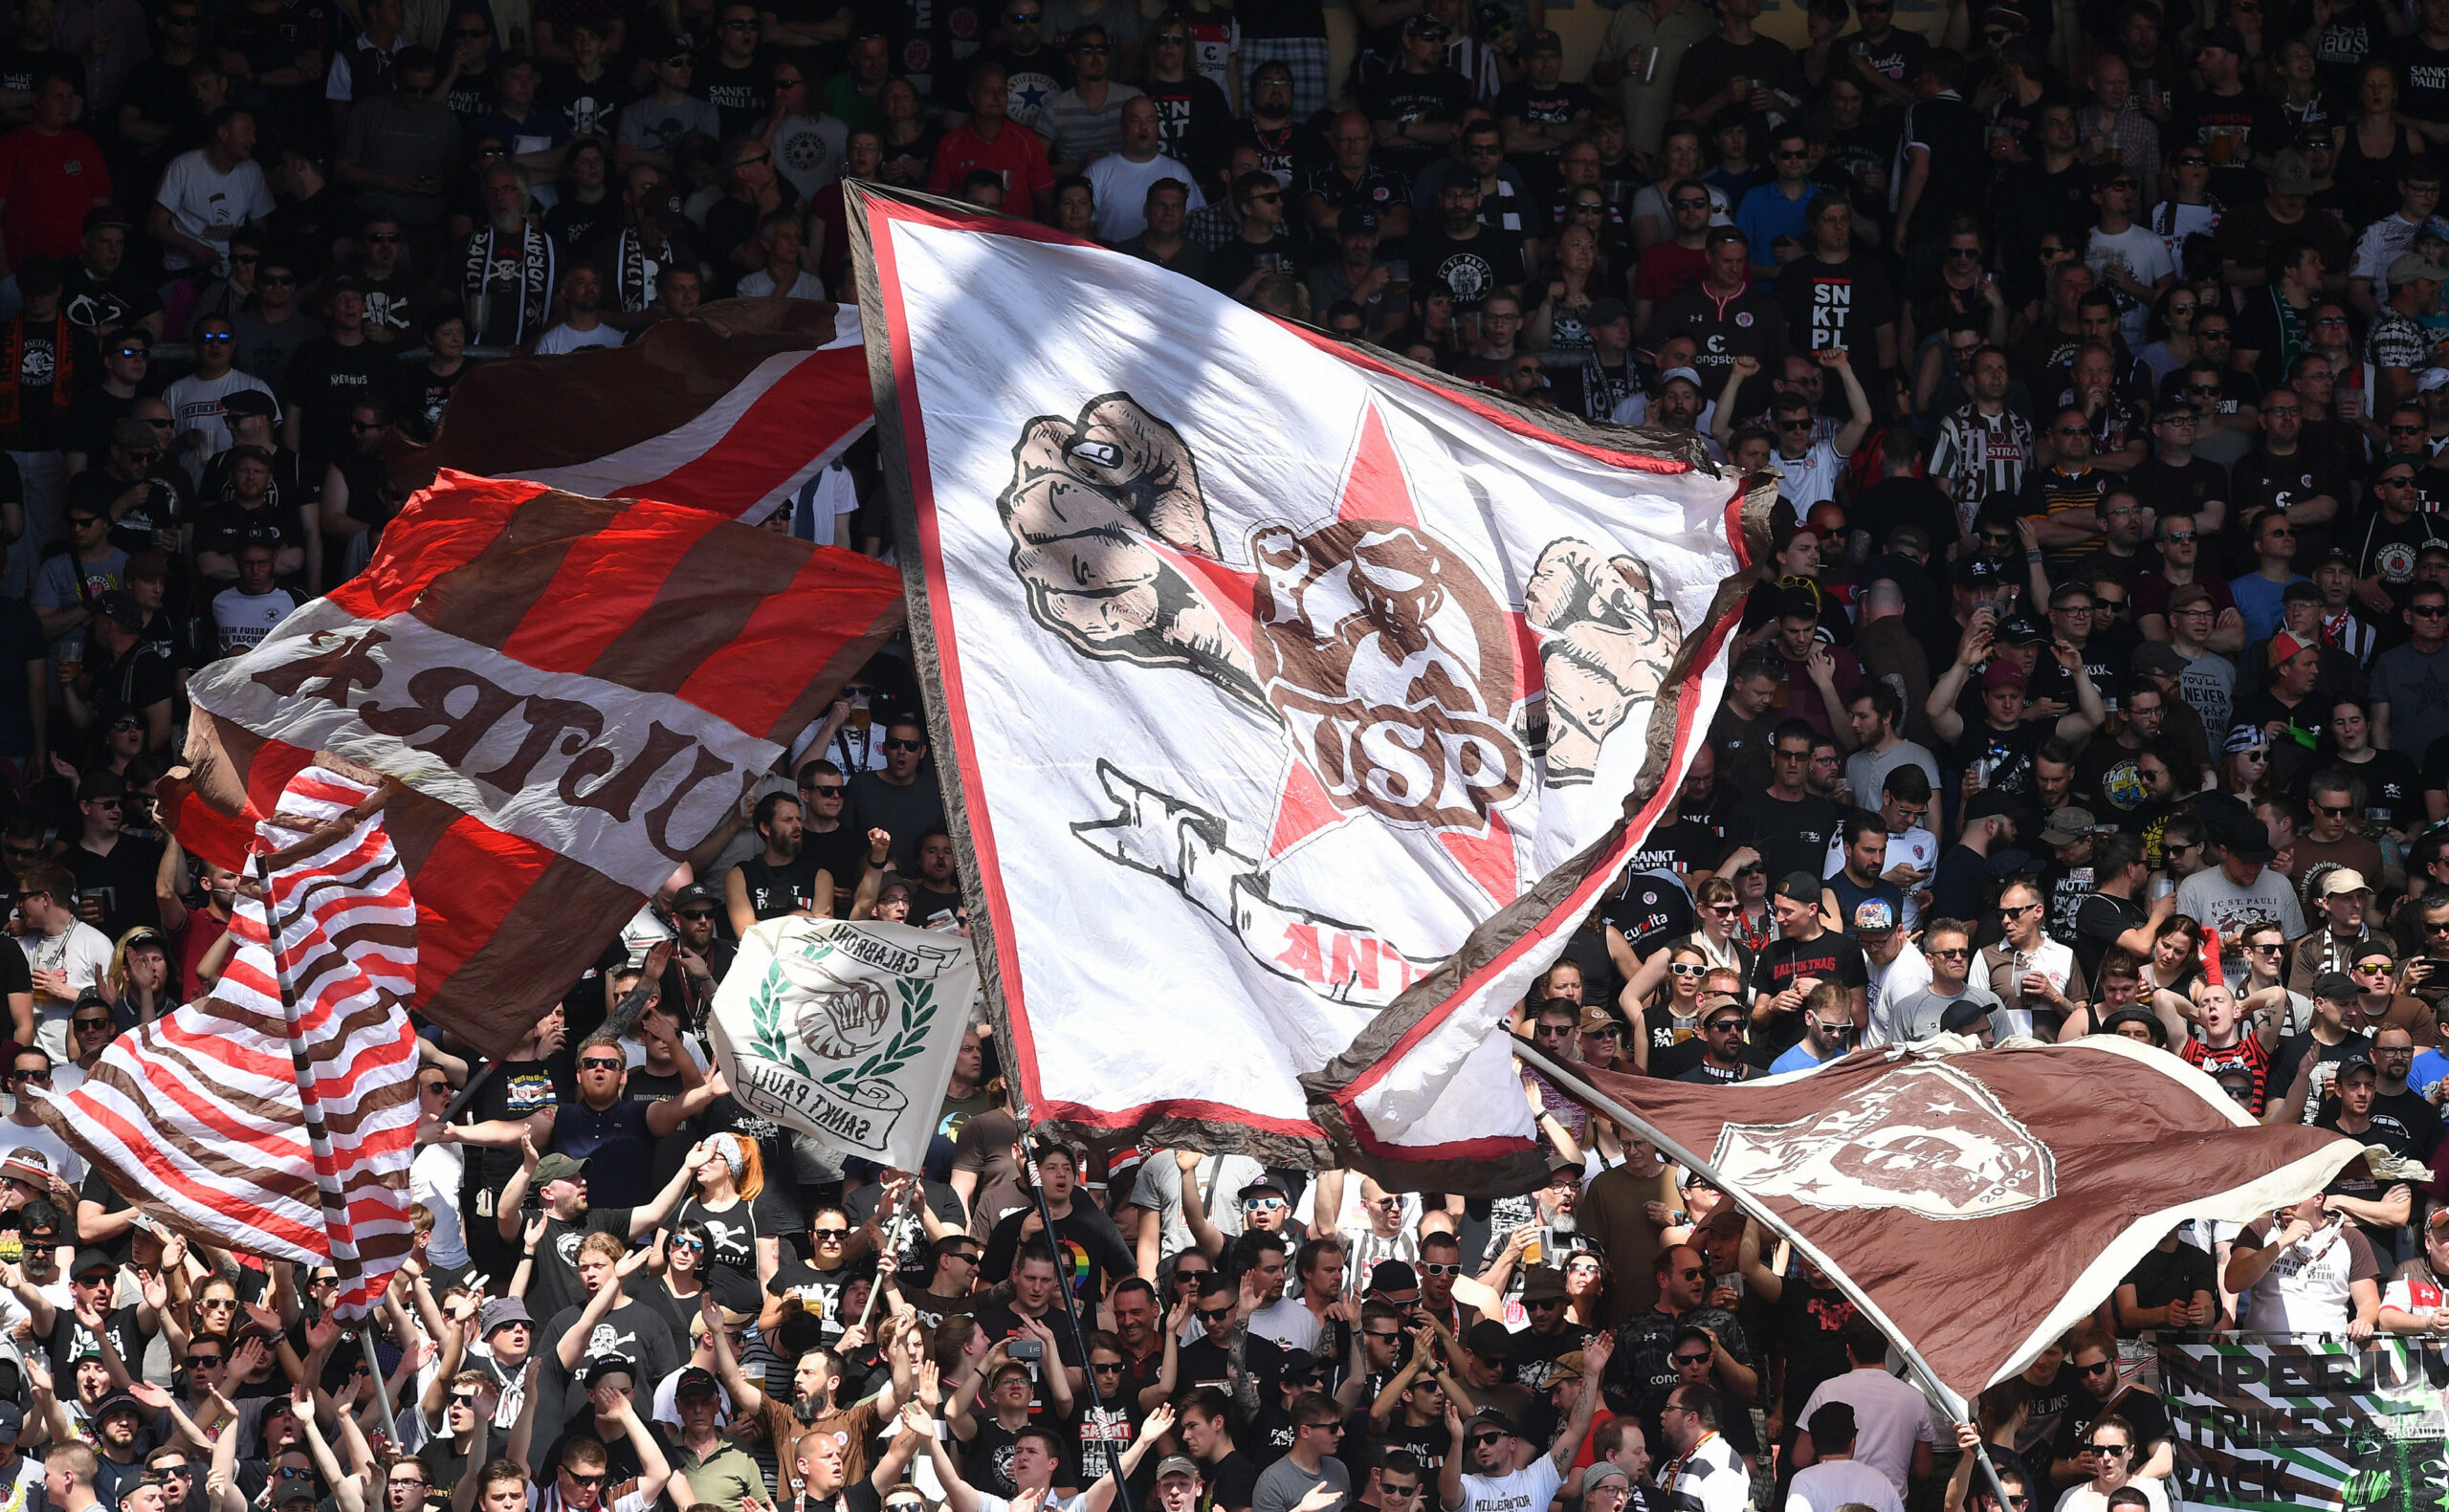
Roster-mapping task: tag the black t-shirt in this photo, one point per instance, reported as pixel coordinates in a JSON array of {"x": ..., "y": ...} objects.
[
  {"x": 819, "y": 1294},
  {"x": 774, "y": 891},
  {"x": 1230, "y": 1483},
  {"x": 1790, "y": 836},
  {"x": 1807, "y": 1321},
  {"x": 638, "y": 1329},
  {"x": 739, "y": 95},
  {"x": 2353, "y": 1181},
  {"x": 553, "y": 1284},
  {"x": 2236, "y": 128},
  {"x": 2099, "y": 920},
  {"x": 2164, "y": 1275},
  {"x": 1828, "y": 956},
  {"x": 122, "y": 880},
  {"x": 330, "y": 380},
  {"x": 1473, "y": 267},
  {"x": 1835, "y": 303},
  {"x": 1231, "y": 263},
  {"x": 732, "y": 1234},
  {"x": 2286, "y": 1061},
  {"x": 591, "y": 107},
  {"x": 1093, "y": 1253},
  {"x": 2424, "y": 69},
  {"x": 1408, "y": 98},
  {"x": 2144, "y": 1412},
  {"x": 516, "y": 1089},
  {"x": 2008, "y": 752},
  {"x": 1651, "y": 909}
]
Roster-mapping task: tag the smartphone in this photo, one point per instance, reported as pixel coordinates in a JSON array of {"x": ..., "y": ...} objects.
[{"x": 1024, "y": 1349}]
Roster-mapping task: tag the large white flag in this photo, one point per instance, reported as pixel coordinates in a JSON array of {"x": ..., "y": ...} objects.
[
  {"x": 1267, "y": 671},
  {"x": 847, "y": 1030}
]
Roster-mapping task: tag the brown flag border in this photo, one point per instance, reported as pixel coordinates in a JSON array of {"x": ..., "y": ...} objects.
[
  {"x": 2308, "y": 1166},
  {"x": 1495, "y": 935}
]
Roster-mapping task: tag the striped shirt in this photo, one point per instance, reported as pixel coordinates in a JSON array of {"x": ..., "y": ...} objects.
[{"x": 1979, "y": 455}]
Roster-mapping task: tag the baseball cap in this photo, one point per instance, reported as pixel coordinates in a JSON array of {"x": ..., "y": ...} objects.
[
  {"x": 135, "y": 435},
  {"x": 2336, "y": 986},
  {"x": 1680, "y": 374},
  {"x": 1354, "y": 219},
  {"x": 2291, "y": 174},
  {"x": 2002, "y": 674},
  {"x": 2021, "y": 631},
  {"x": 1606, "y": 311},
  {"x": 1542, "y": 1282},
  {"x": 1595, "y": 1019},
  {"x": 2408, "y": 266},
  {"x": 2226, "y": 37},
  {"x": 1874, "y": 916},
  {"x": 2345, "y": 879},
  {"x": 600, "y": 1366},
  {"x": 2248, "y": 840},
  {"x": 120, "y": 609},
  {"x": 555, "y": 1167},
  {"x": 696, "y": 1380},
  {"x": 1490, "y": 1340},
  {"x": 1425, "y": 25},
  {"x": 2186, "y": 595},
  {"x": 13, "y": 1420},
  {"x": 1542, "y": 40},
  {"x": 695, "y": 893},
  {"x": 1963, "y": 1016},
  {"x": 1184, "y": 1465},
  {"x": 1568, "y": 1368},
  {"x": 1488, "y": 1416},
  {"x": 2156, "y": 656},
  {"x": 93, "y": 1262},
  {"x": 2067, "y": 825},
  {"x": 2358, "y": 1062},
  {"x": 1798, "y": 886},
  {"x": 2300, "y": 593},
  {"x": 1393, "y": 1275},
  {"x": 29, "y": 1165},
  {"x": 248, "y": 401}
]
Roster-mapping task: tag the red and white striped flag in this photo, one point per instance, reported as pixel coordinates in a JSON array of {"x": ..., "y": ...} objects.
[
  {"x": 731, "y": 410},
  {"x": 574, "y": 694},
  {"x": 197, "y": 1119}
]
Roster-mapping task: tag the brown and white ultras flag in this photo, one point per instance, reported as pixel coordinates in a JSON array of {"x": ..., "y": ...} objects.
[
  {"x": 1977, "y": 1205},
  {"x": 573, "y": 694}
]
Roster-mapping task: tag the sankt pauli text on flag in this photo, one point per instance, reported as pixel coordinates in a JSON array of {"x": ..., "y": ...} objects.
[
  {"x": 574, "y": 695},
  {"x": 1289, "y": 697},
  {"x": 847, "y": 1030},
  {"x": 196, "y": 1119}
]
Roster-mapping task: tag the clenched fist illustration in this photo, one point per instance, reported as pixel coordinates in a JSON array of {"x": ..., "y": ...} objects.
[
  {"x": 1088, "y": 499},
  {"x": 1611, "y": 637}
]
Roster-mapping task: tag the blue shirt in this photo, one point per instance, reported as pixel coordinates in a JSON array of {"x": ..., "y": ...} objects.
[
  {"x": 617, "y": 1146},
  {"x": 2258, "y": 603},
  {"x": 1798, "y": 1059},
  {"x": 1767, "y": 215},
  {"x": 2430, "y": 1068}
]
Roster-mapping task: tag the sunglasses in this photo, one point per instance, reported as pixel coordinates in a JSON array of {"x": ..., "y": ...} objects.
[
  {"x": 1692, "y": 1359},
  {"x": 1440, "y": 1269},
  {"x": 600, "y": 1063},
  {"x": 905, "y": 745}
]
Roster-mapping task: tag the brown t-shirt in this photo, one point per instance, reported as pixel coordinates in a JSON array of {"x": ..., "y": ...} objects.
[
  {"x": 853, "y": 1427},
  {"x": 1612, "y": 1209}
]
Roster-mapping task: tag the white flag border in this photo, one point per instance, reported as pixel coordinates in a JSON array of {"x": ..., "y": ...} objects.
[{"x": 873, "y": 210}]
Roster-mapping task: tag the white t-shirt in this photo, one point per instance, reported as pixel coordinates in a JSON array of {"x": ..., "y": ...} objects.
[
  {"x": 434, "y": 1179},
  {"x": 240, "y": 620},
  {"x": 195, "y": 405},
  {"x": 566, "y": 337},
  {"x": 70, "y": 1165},
  {"x": 808, "y": 150},
  {"x": 2143, "y": 255},
  {"x": 1121, "y": 189},
  {"x": 2209, "y": 898},
  {"x": 1831, "y": 1483},
  {"x": 2309, "y": 1287},
  {"x": 84, "y": 953},
  {"x": 1810, "y": 479},
  {"x": 1891, "y": 984},
  {"x": 208, "y": 204},
  {"x": 1889, "y": 1417},
  {"x": 2083, "y": 1499},
  {"x": 1529, "y": 1489},
  {"x": 1712, "y": 1476},
  {"x": 805, "y": 285},
  {"x": 1287, "y": 1323}
]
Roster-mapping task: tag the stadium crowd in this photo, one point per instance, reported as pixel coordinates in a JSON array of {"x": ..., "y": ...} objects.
[{"x": 2058, "y": 680}]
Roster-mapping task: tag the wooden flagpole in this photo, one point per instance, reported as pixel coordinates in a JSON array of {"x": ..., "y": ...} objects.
[{"x": 319, "y": 1140}]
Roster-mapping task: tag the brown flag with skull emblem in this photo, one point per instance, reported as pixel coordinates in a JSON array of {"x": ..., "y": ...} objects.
[
  {"x": 1292, "y": 703},
  {"x": 1917, "y": 1181}
]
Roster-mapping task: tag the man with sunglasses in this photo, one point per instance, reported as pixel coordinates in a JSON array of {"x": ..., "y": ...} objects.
[
  {"x": 1827, "y": 1033},
  {"x": 2108, "y": 1408},
  {"x": 113, "y": 871},
  {"x": 898, "y": 797},
  {"x": 1505, "y": 1470},
  {"x": 652, "y": 128}
]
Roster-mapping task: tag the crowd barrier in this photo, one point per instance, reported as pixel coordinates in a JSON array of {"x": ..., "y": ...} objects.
[{"x": 2308, "y": 1423}]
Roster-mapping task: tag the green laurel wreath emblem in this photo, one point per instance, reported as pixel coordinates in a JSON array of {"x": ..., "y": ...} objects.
[{"x": 917, "y": 1010}]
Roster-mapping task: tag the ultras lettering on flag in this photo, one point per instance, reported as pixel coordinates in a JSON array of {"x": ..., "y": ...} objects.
[
  {"x": 1296, "y": 701},
  {"x": 574, "y": 694}
]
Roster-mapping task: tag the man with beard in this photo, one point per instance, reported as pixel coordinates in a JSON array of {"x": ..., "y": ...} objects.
[
  {"x": 581, "y": 323},
  {"x": 1643, "y": 1371},
  {"x": 506, "y": 266},
  {"x": 393, "y": 293},
  {"x": 938, "y": 890},
  {"x": 650, "y": 242},
  {"x": 98, "y": 294},
  {"x": 781, "y": 880}
]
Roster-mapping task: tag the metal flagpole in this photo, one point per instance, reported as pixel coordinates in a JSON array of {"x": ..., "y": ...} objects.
[
  {"x": 1071, "y": 1302},
  {"x": 1567, "y": 1076},
  {"x": 319, "y": 1140}
]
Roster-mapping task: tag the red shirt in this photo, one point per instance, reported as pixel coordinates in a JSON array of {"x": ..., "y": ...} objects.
[
  {"x": 196, "y": 937},
  {"x": 49, "y": 183},
  {"x": 1017, "y": 153}
]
